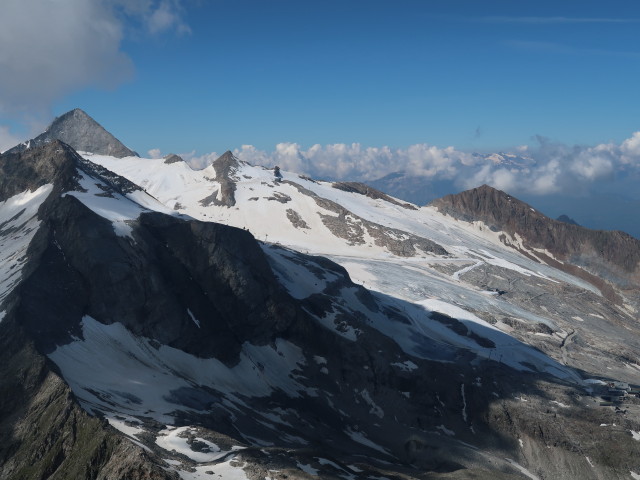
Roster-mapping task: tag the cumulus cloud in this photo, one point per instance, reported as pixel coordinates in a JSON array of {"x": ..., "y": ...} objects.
[
  {"x": 543, "y": 168},
  {"x": 50, "y": 48},
  {"x": 167, "y": 16}
]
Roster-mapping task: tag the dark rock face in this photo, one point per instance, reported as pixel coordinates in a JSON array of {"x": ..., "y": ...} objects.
[
  {"x": 610, "y": 255},
  {"x": 82, "y": 133},
  {"x": 45, "y": 434},
  {"x": 53, "y": 162},
  {"x": 567, "y": 219},
  {"x": 149, "y": 285}
]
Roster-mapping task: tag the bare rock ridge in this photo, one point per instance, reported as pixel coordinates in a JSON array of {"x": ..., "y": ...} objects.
[
  {"x": 82, "y": 133},
  {"x": 367, "y": 191},
  {"x": 173, "y": 158},
  {"x": 226, "y": 166},
  {"x": 611, "y": 255}
]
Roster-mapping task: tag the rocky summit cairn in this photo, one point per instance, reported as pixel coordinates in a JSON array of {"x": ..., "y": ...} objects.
[{"x": 82, "y": 133}]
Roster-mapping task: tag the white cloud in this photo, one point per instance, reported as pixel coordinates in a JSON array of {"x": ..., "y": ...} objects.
[
  {"x": 631, "y": 149},
  {"x": 155, "y": 153},
  {"x": 541, "y": 169},
  {"x": 49, "y": 48},
  {"x": 198, "y": 162},
  {"x": 167, "y": 16}
]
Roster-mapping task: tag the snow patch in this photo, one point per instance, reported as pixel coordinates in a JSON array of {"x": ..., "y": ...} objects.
[
  {"x": 176, "y": 439},
  {"x": 18, "y": 225},
  {"x": 361, "y": 439},
  {"x": 229, "y": 470},
  {"x": 406, "y": 366},
  {"x": 111, "y": 360},
  {"x": 195, "y": 320},
  {"x": 375, "y": 409},
  {"x": 446, "y": 431},
  {"x": 635, "y": 435},
  {"x": 308, "y": 469}
]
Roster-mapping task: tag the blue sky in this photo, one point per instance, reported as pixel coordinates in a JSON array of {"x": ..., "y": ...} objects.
[{"x": 219, "y": 74}]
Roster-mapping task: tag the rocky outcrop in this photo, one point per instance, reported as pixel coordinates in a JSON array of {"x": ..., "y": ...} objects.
[
  {"x": 367, "y": 191},
  {"x": 53, "y": 162},
  {"x": 82, "y": 133},
  {"x": 352, "y": 228},
  {"x": 567, "y": 219},
  {"x": 612, "y": 256},
  {"x": 226, "y": 166},
  {"x": 173, "y": 158},
  {"x": 45, "y": 434}
]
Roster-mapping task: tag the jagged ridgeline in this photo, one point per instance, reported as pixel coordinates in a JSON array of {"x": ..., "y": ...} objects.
[{"x": 246, "y": 322}]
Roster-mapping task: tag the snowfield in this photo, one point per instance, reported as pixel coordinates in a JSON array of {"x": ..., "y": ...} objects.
[{"x": 18, "y": 225}]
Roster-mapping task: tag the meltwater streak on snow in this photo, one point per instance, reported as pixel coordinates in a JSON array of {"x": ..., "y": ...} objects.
[
  {"x": 110, "y": 359},
  {"x": 18, "y": 226}
]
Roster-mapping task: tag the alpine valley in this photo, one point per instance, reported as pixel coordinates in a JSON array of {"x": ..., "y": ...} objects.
[{"x": 158, "y": 322}]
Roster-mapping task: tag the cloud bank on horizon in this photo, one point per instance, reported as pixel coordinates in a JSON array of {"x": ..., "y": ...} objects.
[{"x": 547, "y": 168}]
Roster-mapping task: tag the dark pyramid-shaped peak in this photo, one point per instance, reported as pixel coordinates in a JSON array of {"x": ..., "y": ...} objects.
[
  {"x": 173, "y": 158},
  {"x": 227, "y": 158},
  {"x": 485, "y": 203},
  {"x": 78, "y": 130}
]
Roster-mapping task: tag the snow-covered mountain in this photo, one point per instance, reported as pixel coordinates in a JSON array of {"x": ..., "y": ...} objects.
[{"x": 161, "y": 322}]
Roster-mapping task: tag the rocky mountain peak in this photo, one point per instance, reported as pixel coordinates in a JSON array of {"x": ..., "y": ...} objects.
[
  {"x": 599, "y": 254},
  {"x": 173, "y": 158},
  {"x": 226, "y": 159},
  {"x": 53, "y": 162},
  {"x": 77, "y": 129},
  {"x": 226, "y": 166}
]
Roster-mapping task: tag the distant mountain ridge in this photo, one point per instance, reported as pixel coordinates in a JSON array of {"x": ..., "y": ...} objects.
[{"x": 612, "y": 255}]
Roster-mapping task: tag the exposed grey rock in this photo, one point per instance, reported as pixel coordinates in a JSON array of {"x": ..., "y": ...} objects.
[
  {"x": 567, "y": 219},
  {"x": 279, "y": 197},
  {"x": 608, "y": 260},
  {"x": 45, "y": 434},
  {"x": 295, "y": 218},
  {"x": 82, "y": 133},
  {"x": 352, "y": 228},
  {"x": 173, "y": 158},
  {"x": 226, "y": 166},
  {"x": 366, "y": 190}
]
